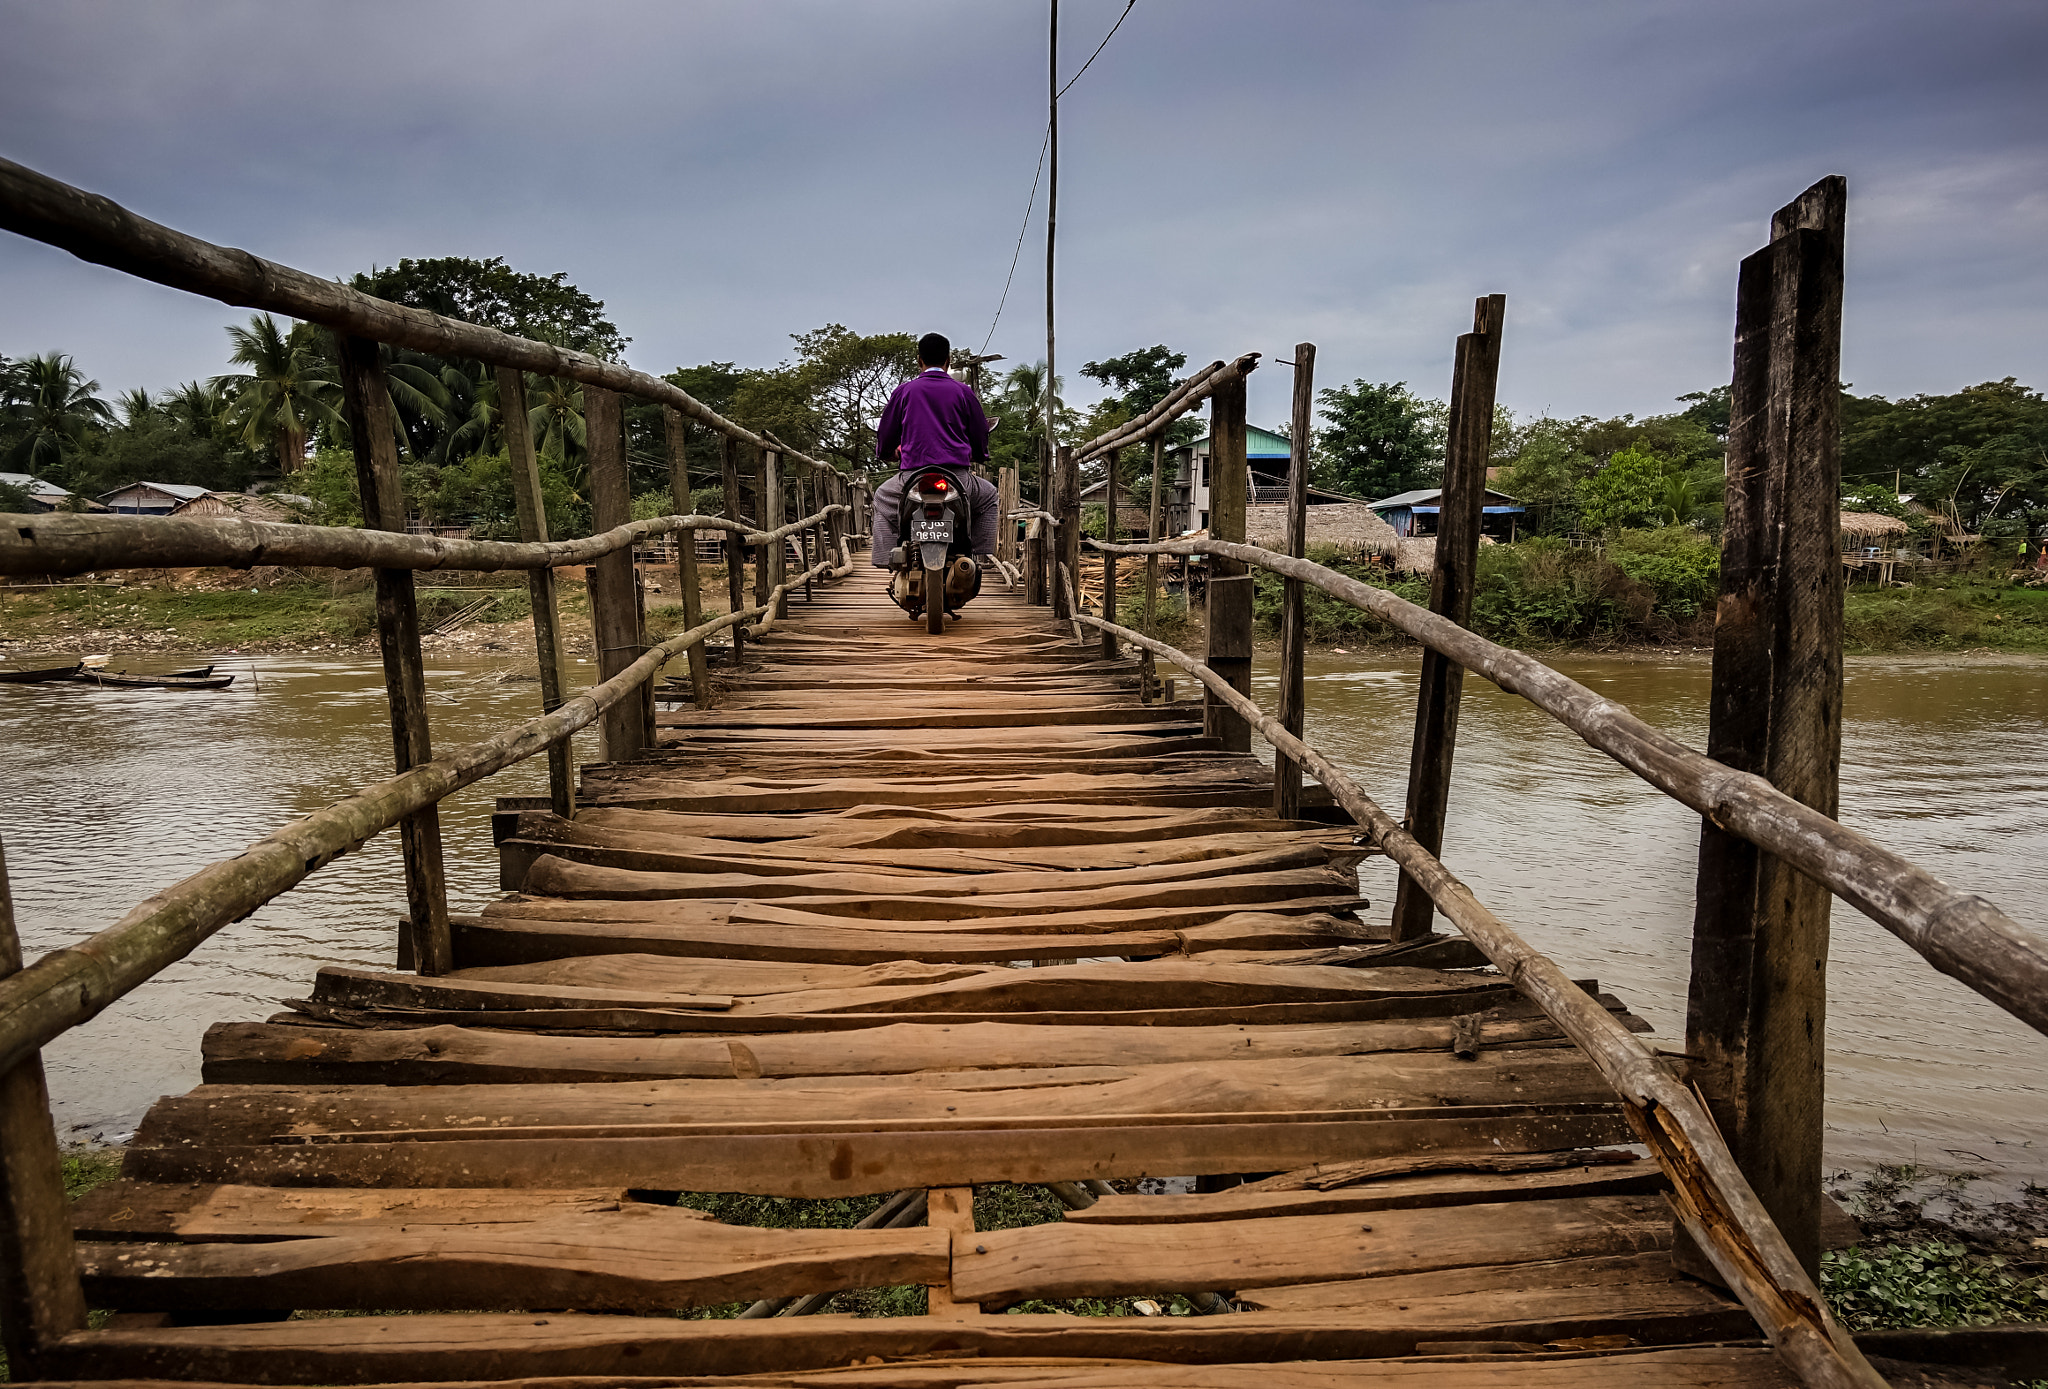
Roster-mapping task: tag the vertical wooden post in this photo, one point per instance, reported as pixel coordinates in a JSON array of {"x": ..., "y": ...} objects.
[
  {"x": 1757, "y": 1012},
  {"x": 771, "y": 561},
  {"x": 540, "y": 583},
  {"x": 950, "y": 1209},
  {"x": 1230, "y": 583},
  {"x": 1293, "y": 620},
  {"x": 804, "y": 537},
  {"x": 686, "y": 550},
  {"x": 366, "y": 399},
  {"x": 835, "y": 525},
  {"x": 1066, "y": 542},
  {"x": 1148, "y": 673},
  {"x": 40, "y": 1297},
  {"x": 1006, "y": 529},
  {"x": 735, "y": 547},
  {"x": 614, "y": 604},
  {"x": 1450, "y": 593},
  {"x": 1109, "y": 651}
]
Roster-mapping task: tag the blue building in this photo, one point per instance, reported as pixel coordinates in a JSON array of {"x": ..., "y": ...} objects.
[{"x": 1415, "y": 513}]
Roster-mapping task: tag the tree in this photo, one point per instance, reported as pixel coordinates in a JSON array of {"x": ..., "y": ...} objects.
[
  {"x": 1380, "y": 440},
  {"x": 1141, "y": 379},
  {"x": 288, "y": 388},
  {"x": 1627, "y": 492},
  {"x": 489, "y": 292},
  {"x": 554, "y": 412},
  {"x": 51, "y": 411},
  {"x": 1019, "y": 438}
]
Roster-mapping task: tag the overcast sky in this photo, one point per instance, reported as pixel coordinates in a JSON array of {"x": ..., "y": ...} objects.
[{"x": 1234, "y": 176}]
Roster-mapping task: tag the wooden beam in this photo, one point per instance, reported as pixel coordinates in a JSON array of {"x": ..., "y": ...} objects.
[
  {"x": 614, "y": 607},
  {"x": 540, "y": 583},
  {"x": 1148, "y": 671},
  {"x": 771, "y": 564},
  {"x": 366, "y": 399},
  {"x": 1108, "y": 648},
  {"x": 41, "y": 1301},
  {"x": 1293, "y": 628},
  {"x": 1230, "y": 582},
  {"x": 735, "y": 545},
  {"x": 686, "y": 550},
  {"x": 1450, "y": 595},
  {"x": 1756, "y": 1016},
  {"x": 1066, "y": 539}
]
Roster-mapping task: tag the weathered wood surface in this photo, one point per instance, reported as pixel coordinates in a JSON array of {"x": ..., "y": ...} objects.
[{"x": 778, "y": 952}]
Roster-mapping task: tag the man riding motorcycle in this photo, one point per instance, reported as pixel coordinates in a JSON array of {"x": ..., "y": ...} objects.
[{"x": 934, "y": 421}]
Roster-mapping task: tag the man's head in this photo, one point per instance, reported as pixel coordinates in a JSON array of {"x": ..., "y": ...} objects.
[{"x": 934, "y": 351}]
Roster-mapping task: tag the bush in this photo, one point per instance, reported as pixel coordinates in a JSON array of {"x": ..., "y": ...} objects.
[
  {"x": 1680, "y": 566},
  {"x": 1544, "y": 591},
  {"x": 1931, "y": 1283},
  {"x": 1328, "y": 619}
]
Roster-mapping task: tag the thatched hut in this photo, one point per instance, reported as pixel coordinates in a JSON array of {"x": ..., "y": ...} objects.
[
  {"x": 1352, "y": 527},
  {"x": 1864, "y": 528}
]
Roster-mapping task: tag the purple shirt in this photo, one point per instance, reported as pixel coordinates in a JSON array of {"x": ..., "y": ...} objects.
[{"x": 934, "y": 422}]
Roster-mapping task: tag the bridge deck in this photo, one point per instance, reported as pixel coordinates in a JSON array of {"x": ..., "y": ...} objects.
[{"x": 907, "y": 915}]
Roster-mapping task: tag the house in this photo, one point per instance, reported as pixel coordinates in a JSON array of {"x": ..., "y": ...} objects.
[
  {"x": 1415, "y": 513},
  {"x": 267, "y": 506},
  {"x": 42, "y": 496},
  {"x": 1268, "y": 455},
  {"x": 150, "y": 498}
]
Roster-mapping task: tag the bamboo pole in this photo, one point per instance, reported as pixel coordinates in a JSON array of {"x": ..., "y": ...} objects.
[
  {"x": 366, "y": 399},
  {"x": 1293, "y": 619},
  {"x": 1959, "y": 933},
  {"x": 540, "y": 583},
  {"x": 1452, "y": 584},
  {"x": 686, "y": 549},
  {"x": 41, "y": 1299},
  {"x": 1756, "y": 1021},
  {"x": 100, "y": 230},
  {"x": 1713, "y": 1200}
]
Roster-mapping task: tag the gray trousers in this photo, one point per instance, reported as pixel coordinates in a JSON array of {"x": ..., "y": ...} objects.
[{"x": 983, "y": 504}]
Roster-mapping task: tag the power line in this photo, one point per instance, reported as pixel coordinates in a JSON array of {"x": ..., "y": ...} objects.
[{"x": 1038, "y": 174}]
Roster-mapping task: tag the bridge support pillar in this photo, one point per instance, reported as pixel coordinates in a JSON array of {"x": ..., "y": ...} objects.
[
  {"x": 1230, "y": 583},
  {"x": 614, "y": 601},
  {"x": 1450, "y": 594},
  {"x": 1757, "y": 1013},
  {"x": 735, "y": 547},
  {"x": 540, "y": 583},
  {"x": 686, "y": 550},
  {"x": 1293, "y": 626}
]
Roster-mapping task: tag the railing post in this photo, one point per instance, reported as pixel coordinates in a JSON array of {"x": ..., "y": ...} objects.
[
  {"x": 540, "y": 583},
  {"x": 835, "y": 524},
  {"x": 1148, "y": 673},
  {"x": 1109, "y": 651},
  {"x": 1293, "y": 620},
  {"x": 41, "y": 1300},
  {"x": 772, "y": 561},
  {"x": 1006, "y": 502},
  {"x": 686, "y": 550},
  {"x": 1757, "y": 1013},
  {"x": 1450, "y": 594},
  {"x": 804, "y": 537},
  {"x": 1230, "y": 583},
  {"x": 614, "y": 606},
  {"x": 1066, "y": 540},
  {"x": 366, "y": 398},
  {"x": 735, "y": 546}
]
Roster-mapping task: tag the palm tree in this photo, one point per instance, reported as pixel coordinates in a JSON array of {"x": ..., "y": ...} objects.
[
  {"x": 1679, "y": 502},
  {"x": 554, "y": 412},
  {"x": 135, "y": 406},
  {"x": 51, "y": 403},
  {"x": 287, "y": 390},
  {"x": 197, "y": 406}
]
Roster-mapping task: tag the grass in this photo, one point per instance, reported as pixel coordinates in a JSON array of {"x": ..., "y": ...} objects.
[{"x": 1956, "y": 617}]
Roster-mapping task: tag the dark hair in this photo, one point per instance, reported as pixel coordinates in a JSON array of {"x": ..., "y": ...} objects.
[{"x": 933, "y": 350}]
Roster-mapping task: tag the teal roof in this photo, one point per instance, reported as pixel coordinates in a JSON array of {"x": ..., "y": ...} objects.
[{"x": 1259, "y": 443}]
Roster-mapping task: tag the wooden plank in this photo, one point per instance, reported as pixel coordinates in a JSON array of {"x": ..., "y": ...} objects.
[
  {"x": 1757, "y": 1008},
  {"x": 863, "y": 1163},
  {"x": 127, "y": 1210},
  {"x": 950, "y": 1211},
  {"x": 1426, "y": 1191},
  {"x": 1073, "y": 1260},
  {"x": 366, "y": 400},
  {"x": 504, "y": 1346},
  {"x": 632, "y": 1258},
  {"x": 40, "y": 1298},
  {"x": 1453, "y": 581}
]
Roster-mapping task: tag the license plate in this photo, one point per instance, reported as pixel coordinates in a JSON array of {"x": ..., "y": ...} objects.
[{"x": 931, "y": 532}]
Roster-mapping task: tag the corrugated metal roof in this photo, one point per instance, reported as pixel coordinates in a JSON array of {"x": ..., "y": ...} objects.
[
  {"x": 1258, "y": 443},
  {"x": 33, "y": 485},
  {"x": 1426, "y": 495},
  {"x": 183, "y": 491}
]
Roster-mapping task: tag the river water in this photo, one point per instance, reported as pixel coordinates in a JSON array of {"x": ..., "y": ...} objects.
[{"x": 115, "y": 794}]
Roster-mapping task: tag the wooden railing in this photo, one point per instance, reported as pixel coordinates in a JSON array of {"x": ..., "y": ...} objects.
[
  {"x": 1741, "y": 1141},
  {"x": 40, "y": 1296}
]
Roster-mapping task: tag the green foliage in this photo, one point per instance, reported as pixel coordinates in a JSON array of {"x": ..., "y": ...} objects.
[
  {"x": 1928, "y": 1283},
  {"x": 1979, "y": 455},
  {"x": 493, "y": 294},
  {"x": 1953, "y": 617},
  {"x": 291, "y": 386},
  {"x": 1327, "y": 619},
  {"x": 48, "y": 410},
  {"x": 1624, "y": 493},
  {"x": 1141, "y": 379},
  {"x": 86, "y": 1168},
  {"x": 1379, "y": 440},
  {"x": 15, "y": 498},
  {"x": 1679, "y": 565}
]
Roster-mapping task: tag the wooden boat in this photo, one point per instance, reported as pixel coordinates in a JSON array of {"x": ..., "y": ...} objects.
[
  {"x": 196, "y": 673},
  {"x": 38, "y": 675},
  {"x": 122, "y": 680}
]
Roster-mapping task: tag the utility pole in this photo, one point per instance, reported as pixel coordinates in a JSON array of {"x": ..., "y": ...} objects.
[{"x": 1052, "y": 218}]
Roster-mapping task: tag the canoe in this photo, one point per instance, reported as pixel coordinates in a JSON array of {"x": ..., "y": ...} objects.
[
  {"x": 196, "y": 673},
  {"x": 38, "y": 676},
  {"x": 122, "y": 681}
]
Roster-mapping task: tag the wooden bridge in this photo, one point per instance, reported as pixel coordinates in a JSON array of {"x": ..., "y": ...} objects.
[{"x": 868, "y": 914}]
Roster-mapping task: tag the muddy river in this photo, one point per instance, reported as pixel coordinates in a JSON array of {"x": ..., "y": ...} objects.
[{"x": 112, "y": 795}]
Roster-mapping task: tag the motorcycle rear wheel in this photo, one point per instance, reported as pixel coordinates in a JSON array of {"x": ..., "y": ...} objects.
[{"x": 935, "y": 601}]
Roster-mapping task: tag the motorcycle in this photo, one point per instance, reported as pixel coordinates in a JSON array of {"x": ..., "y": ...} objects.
[{"x": 935, "y": 533}]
